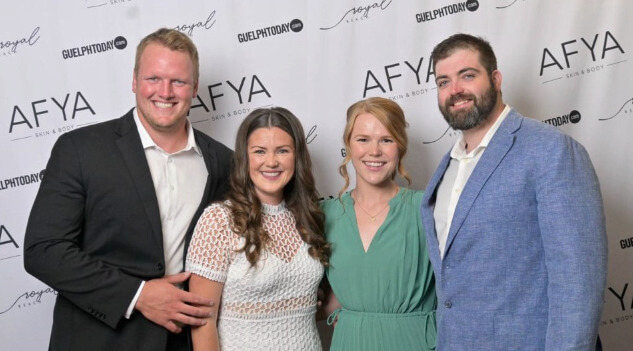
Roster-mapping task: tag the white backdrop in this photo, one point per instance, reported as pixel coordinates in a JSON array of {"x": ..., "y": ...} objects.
[{"x": 67, "y": 64}]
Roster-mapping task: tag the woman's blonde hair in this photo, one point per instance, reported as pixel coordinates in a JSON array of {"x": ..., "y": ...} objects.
[{"x": 391, "y": 116}]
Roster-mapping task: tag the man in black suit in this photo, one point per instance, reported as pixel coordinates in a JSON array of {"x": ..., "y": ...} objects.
[{"x": 116, "y": 209}]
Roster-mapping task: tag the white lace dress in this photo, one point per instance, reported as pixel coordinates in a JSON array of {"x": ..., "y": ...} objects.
[{"x": 270, "y": 306}]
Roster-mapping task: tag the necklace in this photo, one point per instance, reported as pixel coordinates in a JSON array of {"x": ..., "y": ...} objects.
[{"x": 372, "y": 218}]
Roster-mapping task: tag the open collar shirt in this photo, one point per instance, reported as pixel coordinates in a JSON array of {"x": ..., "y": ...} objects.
[
  {"x": 179, "y": 181},
  {"x": 459, "y": 169}
]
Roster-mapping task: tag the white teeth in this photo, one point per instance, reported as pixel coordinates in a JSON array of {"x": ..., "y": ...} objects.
[
  {"x": 271, "y": 174},
  {"x": 163, "y": 104},
  {"x": 374, "y": 164},
  {"x": 460, "y": 102}
]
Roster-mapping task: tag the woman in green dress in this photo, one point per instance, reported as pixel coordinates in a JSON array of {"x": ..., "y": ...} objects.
[{"x": 382, "y": 286}]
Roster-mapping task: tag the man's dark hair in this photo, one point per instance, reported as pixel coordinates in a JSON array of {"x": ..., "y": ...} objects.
[{"x": 462, "y": 41}]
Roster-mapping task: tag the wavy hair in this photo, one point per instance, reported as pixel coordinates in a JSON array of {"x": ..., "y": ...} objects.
[
  {"x": 390, "y": 115},
  {"x": 300, "y": 193}
]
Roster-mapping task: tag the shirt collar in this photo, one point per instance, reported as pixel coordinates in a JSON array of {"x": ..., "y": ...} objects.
[
  {"x": 459, "y": 149},
  {"x": 148, "y": 142}
]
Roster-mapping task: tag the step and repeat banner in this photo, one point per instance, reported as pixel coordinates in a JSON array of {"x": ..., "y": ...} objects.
[{"x": 64, "y": 65}]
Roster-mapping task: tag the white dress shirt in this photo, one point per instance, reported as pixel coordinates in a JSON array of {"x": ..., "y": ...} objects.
[
  {"x": 179, "y": 181},
  {"x": 460, "y": 167}
]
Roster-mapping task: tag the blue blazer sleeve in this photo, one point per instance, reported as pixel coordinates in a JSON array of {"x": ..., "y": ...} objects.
[{"x": 572, "y": 225}]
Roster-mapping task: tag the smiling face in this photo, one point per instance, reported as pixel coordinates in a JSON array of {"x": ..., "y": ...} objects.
[
  {"x": 164, "y": 86},
  {"x": 271, "y": 162},
  {"x": 467, "y": 95},
  {"x": 373, "y": 152}
]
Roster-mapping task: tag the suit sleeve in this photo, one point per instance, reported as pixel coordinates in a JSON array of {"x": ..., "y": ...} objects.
[
  {"x": 572, "y": 224},
  {"x": 225, "y": 165},
  {"x": 54, "y": 237}
]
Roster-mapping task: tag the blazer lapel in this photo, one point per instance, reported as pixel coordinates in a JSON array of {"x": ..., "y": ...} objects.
[
  {"x": 210, "y": 160},
  {"x": 428, "y": 205},
  {"x": 496, "y": 150},
  {"x": 129, "y": 143}
]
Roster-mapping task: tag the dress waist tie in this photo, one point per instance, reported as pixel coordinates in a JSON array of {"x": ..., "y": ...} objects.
[{"x": 429, "y": 320}]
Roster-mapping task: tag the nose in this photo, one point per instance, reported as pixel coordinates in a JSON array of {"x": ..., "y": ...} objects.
[
  {"x": 271, "y": 160},
  {"x": 374, "y": 149},
  {"x": 165, "y": 90},
  {"x": 456, "y": 88}
]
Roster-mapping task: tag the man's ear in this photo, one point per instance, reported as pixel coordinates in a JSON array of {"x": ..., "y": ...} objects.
[
  {"x": 496, "y": 79},
  {"x": 195, "y": 89},
  {"x": 134, "y": 82}
]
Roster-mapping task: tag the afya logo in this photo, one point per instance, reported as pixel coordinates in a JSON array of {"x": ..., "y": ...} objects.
[
  {"x": 360, "y": 13},
  {"x": 44, "y": 117},
  {"x": 390, "y": 78},
  {"x": 96, "y": 48},
  {"x": 563, "y": 61},
  {"x": 188, "y": 28},
  {"x": 386, "y": 79},
  {"x": 7, "y": 239},
  {"x": 22, "y": 180},
  {"x": 10, "y": 46},
  {"x": 572, "y": 117},
  {"x": 239, "y": 91},
  {"x": 293, "y": 26},
  {"x": 625, "y": 109},
  {"x": 624, "y": 297},
  {"x": 99, "y": 3},
  {"x": 470, "y": 5}
]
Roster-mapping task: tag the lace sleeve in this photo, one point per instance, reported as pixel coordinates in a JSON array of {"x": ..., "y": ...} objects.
[{"x": 211, "y": 248}]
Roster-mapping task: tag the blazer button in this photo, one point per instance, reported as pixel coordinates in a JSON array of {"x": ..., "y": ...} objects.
[
  {"x": 448, "y": 304},
  {"x": 160, "y": 266}
]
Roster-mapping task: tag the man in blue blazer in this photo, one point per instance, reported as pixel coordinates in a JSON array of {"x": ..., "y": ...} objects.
[
  {"x": 514, "y": 220},
  {"x": 116, "y": 209}
]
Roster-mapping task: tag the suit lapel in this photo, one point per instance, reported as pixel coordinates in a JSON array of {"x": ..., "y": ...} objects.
[
  {"x": 210, "y": 160},
  {"x": 496, "y": 150},
  {"x": 129, "y": 143},
  {"x": 428, "y": 204}
]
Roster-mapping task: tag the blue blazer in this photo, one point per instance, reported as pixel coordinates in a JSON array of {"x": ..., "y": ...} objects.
[{"x": 526, "y": 257}]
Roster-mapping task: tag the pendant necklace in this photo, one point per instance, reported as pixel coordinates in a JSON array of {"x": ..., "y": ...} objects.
[{"x": 372, "y": 218}]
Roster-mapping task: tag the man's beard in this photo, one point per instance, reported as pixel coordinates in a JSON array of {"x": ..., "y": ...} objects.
[{"x": 473, "y": 117}]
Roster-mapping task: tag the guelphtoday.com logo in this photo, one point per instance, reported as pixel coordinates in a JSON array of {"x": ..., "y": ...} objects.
[{"x": 95, "y": 48}]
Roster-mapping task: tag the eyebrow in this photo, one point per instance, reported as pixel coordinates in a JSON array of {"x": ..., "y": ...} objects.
[
  {"x": 277, "y": 148},
  {"x": 359, "y": 135},
  {"x": 370, "y": 136},
  {"x": 464, "y": 70}
]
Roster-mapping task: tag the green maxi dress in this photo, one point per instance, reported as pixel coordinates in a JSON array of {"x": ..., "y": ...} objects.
[{"x": 387, "y": 294}]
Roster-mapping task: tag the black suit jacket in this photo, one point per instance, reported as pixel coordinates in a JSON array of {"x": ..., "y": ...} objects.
[{"x": 94, "y": 234}]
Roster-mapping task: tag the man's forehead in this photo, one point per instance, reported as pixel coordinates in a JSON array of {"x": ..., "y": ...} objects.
[
  {"x": 463, "y": 52},
  {"x": 154, "y": 46},
  {"x": 463, "y": 57}
]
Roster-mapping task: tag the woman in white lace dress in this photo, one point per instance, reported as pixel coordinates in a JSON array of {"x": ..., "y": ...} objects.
[{"x": 261, "y": 253}]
